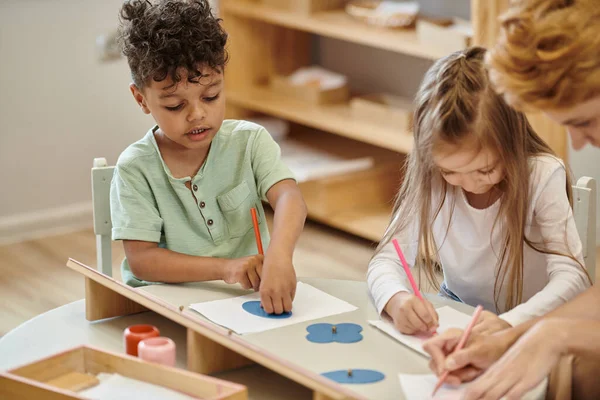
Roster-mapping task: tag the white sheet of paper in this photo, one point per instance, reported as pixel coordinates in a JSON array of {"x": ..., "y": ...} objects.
[
  {"x": 420, "y": 387},
  {"x": 118, "y": 387},
  {"x": 310, "y": 303},
  {"x": 448, "y": 318}
]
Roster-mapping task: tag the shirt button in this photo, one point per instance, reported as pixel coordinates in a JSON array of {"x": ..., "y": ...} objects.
[
  {"x": 195, "y": 188},
  {"x": 202, "y": 204},
  {"x": 210, "y": 222}
]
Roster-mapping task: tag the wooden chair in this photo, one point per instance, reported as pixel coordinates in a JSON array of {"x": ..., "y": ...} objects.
[
  {"x": 101, "y": 177},
  {"x": 584, "y": 211}
]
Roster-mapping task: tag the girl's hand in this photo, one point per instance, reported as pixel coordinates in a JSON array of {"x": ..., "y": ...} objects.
[
  {"x": 412, "y": 315},
  {"x": 489, "y": 323},
  {"x": 524, "y": 365}
]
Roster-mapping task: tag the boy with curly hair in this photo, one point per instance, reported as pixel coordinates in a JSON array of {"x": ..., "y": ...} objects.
[{"x": 181, "y": 196}]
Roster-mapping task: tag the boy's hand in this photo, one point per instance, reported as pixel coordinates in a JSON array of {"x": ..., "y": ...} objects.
[
  {"x": 246, "y": 271},
  {"x": 411, "y": 315},
  {"x": 278, "y": 285},
  {"x": 489, "y": 323}
]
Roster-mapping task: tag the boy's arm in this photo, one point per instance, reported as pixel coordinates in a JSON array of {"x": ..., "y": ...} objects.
[
  {"x": 278, "y": 283},
  {"x": 152, "y": 263}
]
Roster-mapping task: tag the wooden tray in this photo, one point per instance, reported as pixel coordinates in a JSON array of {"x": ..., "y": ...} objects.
[
  {"x": 356, "y": 190},
  {"x": 61, "y": 376},
  {"x": 395, "y": 110},
  {"x": 309, "y": 93},
  {"x": 448, "y": 37}
]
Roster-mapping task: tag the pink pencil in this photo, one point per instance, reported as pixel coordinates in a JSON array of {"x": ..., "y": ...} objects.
[
  {"x": 460, "y": 345},
  {"x": 407, "y": 270}
]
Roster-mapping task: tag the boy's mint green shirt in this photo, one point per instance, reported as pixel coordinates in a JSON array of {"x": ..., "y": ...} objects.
[{"x": 149, "y": 204}]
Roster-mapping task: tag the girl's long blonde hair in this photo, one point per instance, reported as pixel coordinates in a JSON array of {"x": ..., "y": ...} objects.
[{"x": 456, "y": 104}]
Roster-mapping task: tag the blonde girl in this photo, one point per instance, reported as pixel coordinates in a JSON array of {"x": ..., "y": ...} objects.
[{"x": 486, "y": 198}]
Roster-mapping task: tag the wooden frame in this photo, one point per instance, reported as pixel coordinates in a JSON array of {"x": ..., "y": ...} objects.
[
  {"x": 211, "y": 348},
  {"x": 62, "y": 375},
  {"x": 267, "y": 41},
  {"x": 584, "y": 213}
]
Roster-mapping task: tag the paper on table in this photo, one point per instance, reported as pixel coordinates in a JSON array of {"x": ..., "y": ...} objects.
[
  {"x": 420, "y": 387},
  {"x": 448, "y": 318},
  {"x": 117, "y": 387},
  {"x": 309, "y": 304}
]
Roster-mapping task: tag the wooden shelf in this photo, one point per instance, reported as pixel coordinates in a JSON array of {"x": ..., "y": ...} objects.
[
  {"x": 358, "y": 202},
  {"x": 337, "y": 24},
  {"x": 368, "y": 223},
  {"x": 337, "y": 119}
]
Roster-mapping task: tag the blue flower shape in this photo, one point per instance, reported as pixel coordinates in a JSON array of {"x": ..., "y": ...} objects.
[
  {"x": 356, "y": 376},
  {"x": 329, "y": 333},
  {"x": 254, "y": 308}
]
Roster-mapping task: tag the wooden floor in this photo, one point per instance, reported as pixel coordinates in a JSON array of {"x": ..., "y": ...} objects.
[{"x": 34, "y": 278}]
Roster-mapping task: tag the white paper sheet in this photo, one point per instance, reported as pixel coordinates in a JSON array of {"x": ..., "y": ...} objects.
[
  {"x": 420, "y": 387},
  {"x": 309, "y": 304},
  {"x": 448, "y": 318},
  {"x": 118, "y": 387}
]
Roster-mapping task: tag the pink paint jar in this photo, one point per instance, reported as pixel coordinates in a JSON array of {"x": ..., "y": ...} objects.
[
  {"x": 136, "y": 333},
  {"x": 159, "y": 350}
]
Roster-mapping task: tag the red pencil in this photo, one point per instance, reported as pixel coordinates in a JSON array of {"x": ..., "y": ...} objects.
[
  {"x": 460, "y": 345},
  {"x": 256, "y": 231}
]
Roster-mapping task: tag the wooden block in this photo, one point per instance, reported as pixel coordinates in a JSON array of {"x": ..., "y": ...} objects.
[
  {"x": 208, "y": 357},
  {"x": 305, "y": 6},
  {"x": 445, "y": 38},
  {"x": 312, "y": 94},
  {"x": 101, "y": 302},
  {"x": 387, "y": 108},
  {"x": 74, "y": 381}
]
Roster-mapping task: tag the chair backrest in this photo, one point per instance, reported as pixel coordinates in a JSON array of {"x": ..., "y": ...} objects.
[
  {"x": 101, "y": 177},
  {"x": 584, "y": 211}
]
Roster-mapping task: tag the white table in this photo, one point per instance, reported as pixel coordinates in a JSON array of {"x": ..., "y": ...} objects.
[{"x": 66, "y": 327}]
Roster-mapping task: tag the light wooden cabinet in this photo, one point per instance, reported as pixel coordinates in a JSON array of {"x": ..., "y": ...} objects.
[{"x": 267, "y": 41}]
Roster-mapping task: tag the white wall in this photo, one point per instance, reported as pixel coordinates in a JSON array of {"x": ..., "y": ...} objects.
[{"x": 59, "y": 108}]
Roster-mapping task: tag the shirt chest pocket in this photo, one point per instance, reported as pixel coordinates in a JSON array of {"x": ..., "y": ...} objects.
[{"x": 235, "y": 206}]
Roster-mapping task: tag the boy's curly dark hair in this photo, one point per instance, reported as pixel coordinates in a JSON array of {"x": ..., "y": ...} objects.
[{"x": 161, "y": 38}]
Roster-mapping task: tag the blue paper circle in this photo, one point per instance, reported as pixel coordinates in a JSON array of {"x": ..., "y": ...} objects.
[
  {"x": 359, "y": 376},
  {"x": 344, "y": 333},
  {"x": 254, "y": 308}
]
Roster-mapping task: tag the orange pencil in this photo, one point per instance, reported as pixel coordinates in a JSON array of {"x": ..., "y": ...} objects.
[
  {"x": 256, "y": 231},
  {"x": 460, "y": 345}
]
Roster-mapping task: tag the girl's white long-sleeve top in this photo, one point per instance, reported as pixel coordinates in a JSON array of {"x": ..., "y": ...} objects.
[{"x": 469, "y": 250}]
